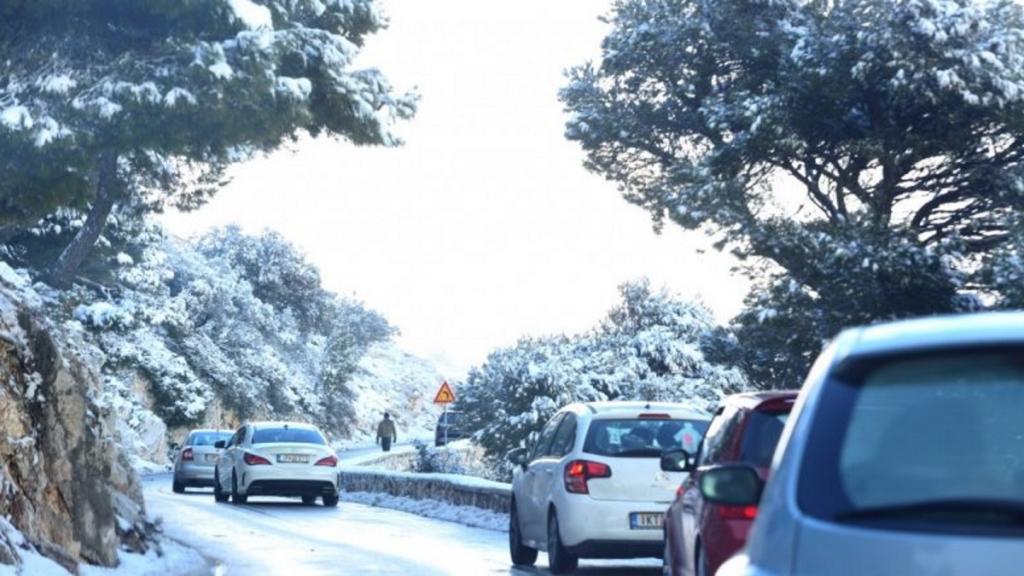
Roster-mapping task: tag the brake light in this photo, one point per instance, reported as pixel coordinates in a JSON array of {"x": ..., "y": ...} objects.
[
  {"x": 331, "y": 461},
  {"x": 186, "y": 454},
  {"x": 680, "y": 490},
  {"x": 254, "y": 460},
  {"x": 737, "y": 512},
  {"x": 654, "y": 417},
  {"x": 578, "y": 472}
]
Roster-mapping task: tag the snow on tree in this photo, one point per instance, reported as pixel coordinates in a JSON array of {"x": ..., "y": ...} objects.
[
  {"x": 201, "y": 324},
  {"x": 867, "y": 153},
  {"x": 649, "y": 347},
  {"x": 148, "y": 101}
]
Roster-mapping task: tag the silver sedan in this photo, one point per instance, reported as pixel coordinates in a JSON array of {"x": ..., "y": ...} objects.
[{"x": 195, "y": 458}]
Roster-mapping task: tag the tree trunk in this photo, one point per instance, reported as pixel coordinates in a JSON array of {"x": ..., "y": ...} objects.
[{"x": 66, "y": 267}]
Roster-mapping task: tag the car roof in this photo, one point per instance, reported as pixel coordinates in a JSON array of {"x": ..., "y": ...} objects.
[
  {"x": 963, "y": 330},
  {"x": 755, "y": 400},
  {"x": 211, "y": 431},
  {"x": 614, "y": 408},
  {"x": 282, "y": 424}
]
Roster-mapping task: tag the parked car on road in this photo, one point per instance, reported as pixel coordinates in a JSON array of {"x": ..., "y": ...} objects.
[
  {"x": 450, "y": 428},
  {"x": 195, "y": 457},
  {"x": 700, "y": 536},
  {"x": 277, "y": 459},
  {"x": 904, "y": 455},
  {"x": 592, "y": 487}
]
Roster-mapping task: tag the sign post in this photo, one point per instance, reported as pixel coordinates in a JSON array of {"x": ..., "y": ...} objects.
[{"x": 444, "y": 397}]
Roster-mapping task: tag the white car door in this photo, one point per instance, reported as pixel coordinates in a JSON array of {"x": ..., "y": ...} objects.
[
  {"x": 550, "y": 468},
  {"x": 533, "y": 511}
]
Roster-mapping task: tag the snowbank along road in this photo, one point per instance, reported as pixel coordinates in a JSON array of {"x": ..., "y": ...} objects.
[{"x": 277, "y": 536}]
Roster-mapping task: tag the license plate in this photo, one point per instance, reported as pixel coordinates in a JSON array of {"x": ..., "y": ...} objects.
[
  {"x": 293, "y": 459},
  {"x": 210, "y": 458},
  {"x": 646, "y": 520}
]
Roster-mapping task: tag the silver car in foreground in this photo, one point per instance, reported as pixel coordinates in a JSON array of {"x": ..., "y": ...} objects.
[
  {"x": 277, "y": 459},
  {"x": 195, "y": 458},
  {"x": 904, "y": 455}
]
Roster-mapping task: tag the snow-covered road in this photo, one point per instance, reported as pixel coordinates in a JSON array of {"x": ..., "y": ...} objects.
[{"x": 282, "y": 537}]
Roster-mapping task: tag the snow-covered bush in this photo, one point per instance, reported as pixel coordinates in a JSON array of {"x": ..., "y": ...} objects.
[
  {"x": 430, "y": 458},
  {"x": 239, "y": 319},
  {"x": 649, "y": 347}
]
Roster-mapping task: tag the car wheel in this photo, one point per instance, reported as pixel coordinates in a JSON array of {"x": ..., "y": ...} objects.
[
  {"x": 560, "y": 561},
  {"x": 218, "y": 493},
  {"x": 330, "y": 500},
  {"x": 178, "y": 487},
  {"x": 522, "y": 555},
  {"x": 308, "y": 500},
  {"x": 236, "y": 497},
  {"x": 702, "y": 562}
]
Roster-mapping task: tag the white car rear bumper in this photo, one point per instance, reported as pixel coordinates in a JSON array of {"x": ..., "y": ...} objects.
[
  {"x": 582, "y": 519},
  {"x": 288, "y": 480}
]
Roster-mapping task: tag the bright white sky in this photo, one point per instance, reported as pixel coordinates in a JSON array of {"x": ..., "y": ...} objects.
[{"x": 485, "y": 226}]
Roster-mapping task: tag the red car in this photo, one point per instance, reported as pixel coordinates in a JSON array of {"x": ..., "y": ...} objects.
[{"x": 700, "y": 537}]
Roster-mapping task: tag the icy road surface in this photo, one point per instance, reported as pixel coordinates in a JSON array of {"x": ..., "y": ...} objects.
[{"x": 272, "y": 536}]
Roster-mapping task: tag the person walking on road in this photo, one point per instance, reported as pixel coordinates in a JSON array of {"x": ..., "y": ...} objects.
[{"x": 386, "y": 433}]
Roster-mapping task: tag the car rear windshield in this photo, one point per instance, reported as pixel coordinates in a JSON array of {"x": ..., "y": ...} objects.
[
  {"x": 290, "y": 435},
  {"x": 761, "y": 436},
  {"x": 642, "y": 438},
  {"x": 207, "y": 438},
  {"x": 931, "y": 439}
]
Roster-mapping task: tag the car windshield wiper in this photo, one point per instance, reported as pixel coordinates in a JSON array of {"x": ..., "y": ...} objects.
[
  {"x": 971, "y": 511},
  {"x": 640, "y": 453}
]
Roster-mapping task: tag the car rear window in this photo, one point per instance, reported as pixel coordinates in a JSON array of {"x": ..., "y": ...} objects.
[
  {"x": 290, "y": 435},
  {"x": 642, "y": 438},
  {"x": 761, "y": 436},
  {"x": 207, "y": 438},
  {"x": 935, "y": 440}
]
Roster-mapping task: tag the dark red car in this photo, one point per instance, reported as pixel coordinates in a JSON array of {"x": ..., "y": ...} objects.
[{"x": 700, "y": 537}]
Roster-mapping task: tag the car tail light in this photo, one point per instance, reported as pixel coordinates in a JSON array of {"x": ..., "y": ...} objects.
[
  {"x": 186, "y": 454},
  {"x": 254, "y": 460},
  {"x": 331, "y": 461},
  {"x": 578, "y": 472},
  {"x": 654, "y": 417},
  {"x": 737, "y": 512},
  {"x": 680, "y": 490}
]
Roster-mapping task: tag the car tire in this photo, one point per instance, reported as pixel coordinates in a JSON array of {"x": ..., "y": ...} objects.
[
  {"x": 560, "y": 561},
  {"x": 218, "y": 493},
  {"x": 331, "y": 500},
  {"x": 178, "y": 487},
  {"x": 308, "y": 500},
  {"x": 522, "y": 555},
  {"x": 236, "y": 497},
  {"x": 702, "y": 562}
]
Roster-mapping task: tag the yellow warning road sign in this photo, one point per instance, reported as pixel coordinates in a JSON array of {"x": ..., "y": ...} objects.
[{"x": 444, "y": 394}]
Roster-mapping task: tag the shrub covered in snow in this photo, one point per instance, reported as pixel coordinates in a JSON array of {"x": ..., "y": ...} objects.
[{"x": 649, "y": 347}]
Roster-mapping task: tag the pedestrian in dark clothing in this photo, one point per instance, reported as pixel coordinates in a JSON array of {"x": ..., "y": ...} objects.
[{"x": 386, "y": 433}]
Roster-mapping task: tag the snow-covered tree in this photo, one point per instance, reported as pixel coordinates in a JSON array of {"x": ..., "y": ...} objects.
[
  {"x": 868, "y": 153},
  {"x": 649, "y": 347},
  {"x": 148, "y": 101}
]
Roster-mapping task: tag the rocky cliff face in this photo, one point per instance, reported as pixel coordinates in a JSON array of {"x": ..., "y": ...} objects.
[{"x": 64, "y": 483}]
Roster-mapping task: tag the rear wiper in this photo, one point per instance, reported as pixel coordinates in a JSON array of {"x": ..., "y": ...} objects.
[
  {"x": 983, "y": 511},
  {"x": 640, "y": 452}
]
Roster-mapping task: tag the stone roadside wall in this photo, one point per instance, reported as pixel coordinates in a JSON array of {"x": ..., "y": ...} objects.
[{"x": 450, "y": 488}]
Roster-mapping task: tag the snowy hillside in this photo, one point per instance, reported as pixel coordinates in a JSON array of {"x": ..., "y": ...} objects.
[{"x": 391, "y": 380}]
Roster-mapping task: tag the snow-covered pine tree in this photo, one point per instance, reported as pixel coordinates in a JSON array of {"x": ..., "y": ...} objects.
[
  {"x": 867, "y": 154},
  {"x": 649, "y": 347},
  {"x": 147, "y": 101}
]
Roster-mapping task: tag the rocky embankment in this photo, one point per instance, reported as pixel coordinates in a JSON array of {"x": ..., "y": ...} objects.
[{"x": 64, "y": 483}]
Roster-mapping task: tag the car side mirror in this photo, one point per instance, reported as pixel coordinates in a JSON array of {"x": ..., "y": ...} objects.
[
  {"x": 676, "y": 460},
  {"x": 175, "y": 445},
  {"x": 731, "y": 485},
  {"x": 518, "y": 456},
  {"x": 220, "y": 444}
]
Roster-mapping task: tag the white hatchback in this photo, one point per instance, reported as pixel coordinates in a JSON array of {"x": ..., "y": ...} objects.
[
  {"x": 592, "y": 485},
  {"x": 277, "y": 459}
]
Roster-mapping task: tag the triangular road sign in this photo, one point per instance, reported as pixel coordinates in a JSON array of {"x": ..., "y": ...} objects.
[{"x": 444, "y": 394}]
